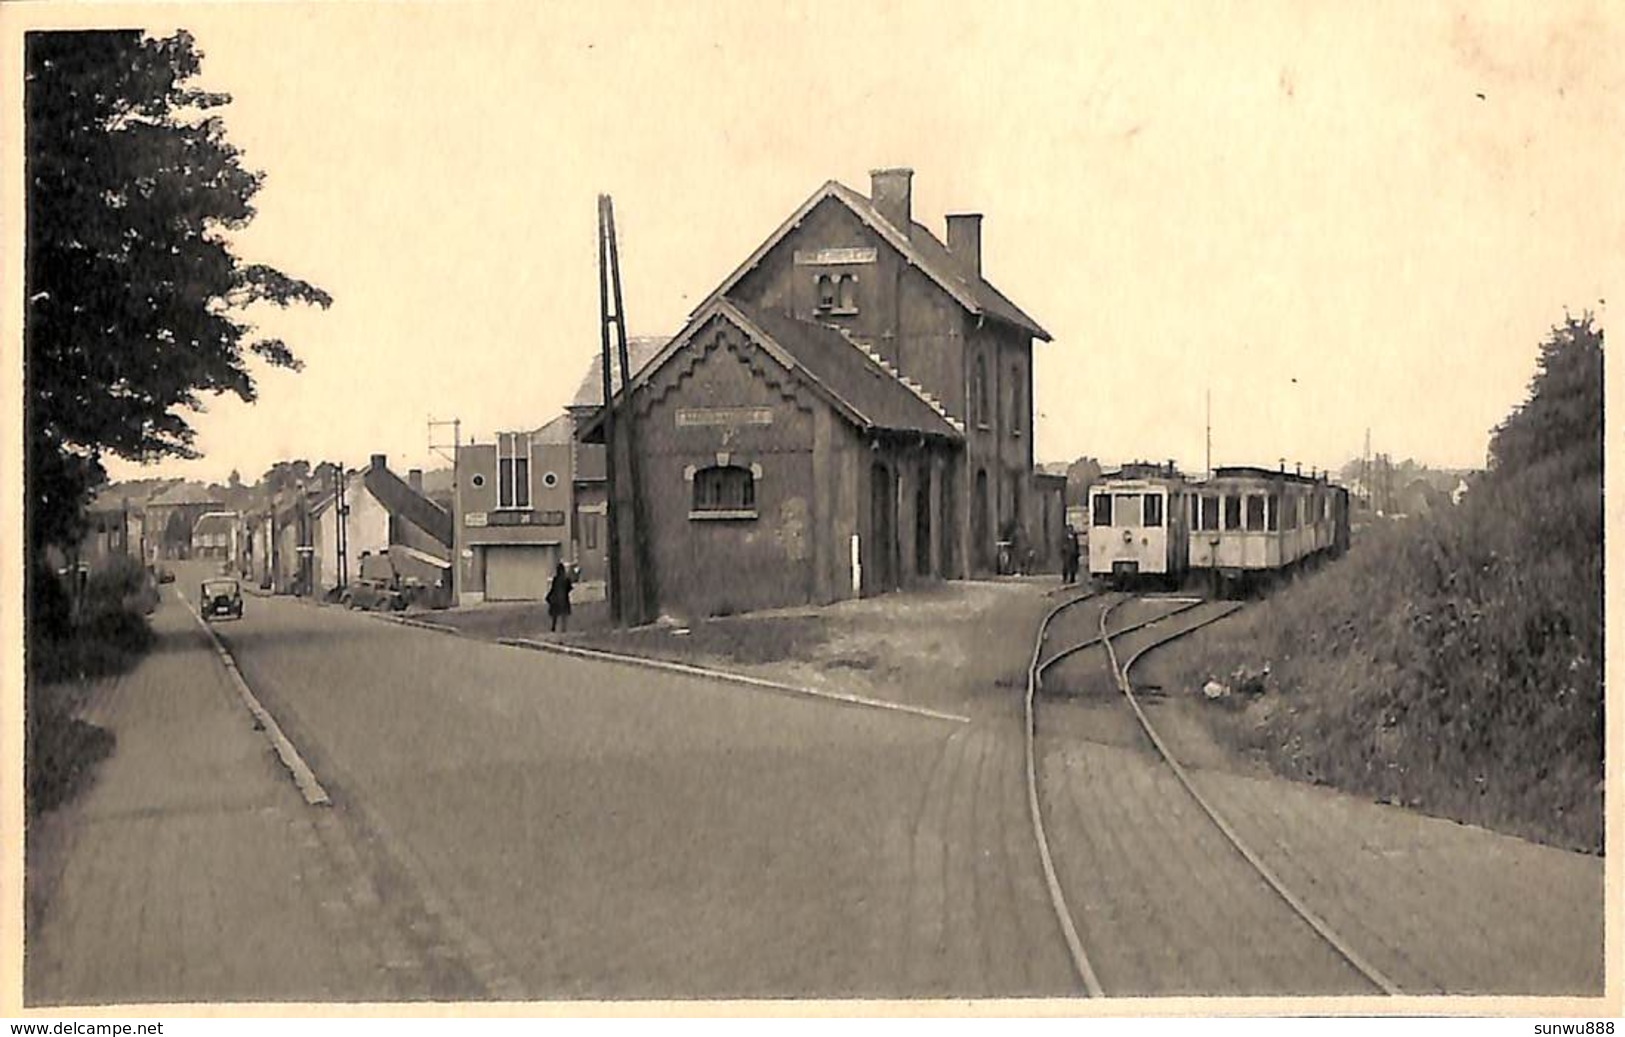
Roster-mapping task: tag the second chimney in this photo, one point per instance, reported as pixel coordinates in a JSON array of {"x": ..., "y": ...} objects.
[
  {"x": 378, "y": 462},
  {"x": 414, "y": 479},
  {"x": 890, "y": 190},
  {"x": 965, "y": 240}
]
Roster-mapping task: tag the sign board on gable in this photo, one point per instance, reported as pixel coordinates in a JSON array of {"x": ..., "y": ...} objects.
[
  {"x": 834, "y": 256},
  {"x": 694, "y": 417}
]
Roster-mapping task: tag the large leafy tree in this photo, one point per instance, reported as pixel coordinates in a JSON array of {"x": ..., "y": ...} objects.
[{"x": 137, "y": 305}]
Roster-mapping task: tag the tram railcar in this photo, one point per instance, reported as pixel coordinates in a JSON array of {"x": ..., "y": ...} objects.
[
  {"x": 1138, "y": 528},
  {"x": 1248, "y": 524}
]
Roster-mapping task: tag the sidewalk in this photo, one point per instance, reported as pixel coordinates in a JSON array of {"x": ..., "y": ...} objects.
[{"x": 191, "y": 869}]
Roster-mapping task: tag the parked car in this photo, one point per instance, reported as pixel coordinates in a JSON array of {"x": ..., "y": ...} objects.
[
  {"x": 221, "y": 597},
  {"x": 166, "y": 574},
  {"x": 373, "y": 595}
]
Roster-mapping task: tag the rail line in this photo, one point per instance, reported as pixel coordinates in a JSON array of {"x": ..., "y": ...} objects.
[{"x": 1120, "y": 671}]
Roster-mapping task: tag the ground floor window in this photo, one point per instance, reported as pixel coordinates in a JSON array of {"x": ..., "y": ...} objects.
[{"x": 724, "y": 491}]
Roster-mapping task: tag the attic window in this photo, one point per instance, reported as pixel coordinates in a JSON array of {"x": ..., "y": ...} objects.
[
  {"x": 846, "y": 295},
  {"x": 826, "y": 292}
]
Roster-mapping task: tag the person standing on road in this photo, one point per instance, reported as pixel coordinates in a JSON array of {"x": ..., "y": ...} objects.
[
  {"x": 558, "y": 600},
  {"x": 1069, "y": 557}
]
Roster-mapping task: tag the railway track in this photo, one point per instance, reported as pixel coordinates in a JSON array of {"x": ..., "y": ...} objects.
[{"x": 1122, "y": 936}]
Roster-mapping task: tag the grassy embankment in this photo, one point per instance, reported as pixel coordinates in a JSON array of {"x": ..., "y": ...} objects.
[
  {"x": 67, "y": 653},
  {"x": 1452, "y": 663}
]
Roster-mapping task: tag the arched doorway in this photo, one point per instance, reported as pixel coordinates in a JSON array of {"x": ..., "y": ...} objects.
[
  {"x": 922, "y": 521},
  {"x": 978, "y": 520},
  {"x": 882, "y": 529}
]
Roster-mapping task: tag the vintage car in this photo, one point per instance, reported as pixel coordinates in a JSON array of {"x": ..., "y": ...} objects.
[
  {"x": 221, "y": 597},
  {"x": 374, "y": 595}
]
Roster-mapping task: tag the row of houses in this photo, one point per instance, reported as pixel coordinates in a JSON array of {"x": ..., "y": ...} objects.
[{"x": 849, "y": 412}]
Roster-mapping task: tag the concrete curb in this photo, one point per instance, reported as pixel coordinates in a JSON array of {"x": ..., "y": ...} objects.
[
  {"x": 303, "y": 776},
  {"x": 598, "y": 655}
]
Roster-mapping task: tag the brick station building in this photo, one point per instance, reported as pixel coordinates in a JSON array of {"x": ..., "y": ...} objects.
[{"x": 848, "y": 413}]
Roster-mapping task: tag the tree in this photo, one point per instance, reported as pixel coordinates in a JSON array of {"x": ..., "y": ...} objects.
[
  {"x": 135, "y": 299},
  {"x": 285, "y": 475},
  {"x": 1562, "y": 420},
  {"x": 1080, "y": 475},
  {"x": 235, "y": 480}
]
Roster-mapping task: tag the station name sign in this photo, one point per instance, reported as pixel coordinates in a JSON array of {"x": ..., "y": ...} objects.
[
  {"x": 834, "y": 256},
  {"x": 698, "y": 417}
]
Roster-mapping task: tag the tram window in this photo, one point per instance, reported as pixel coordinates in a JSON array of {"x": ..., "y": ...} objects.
[
  {"x": 1127, "y": 510},
  {"x": 1232, "y": 511},
  {"x": 1153, "y": 509},
  {"x": 1272, "y": 512},
  {"x": 1210, "y": 513},
  {"x": 1103, "y": 509},
  {"x": 1294, "y": 512},
  {"x": 1255, "y": 513}
]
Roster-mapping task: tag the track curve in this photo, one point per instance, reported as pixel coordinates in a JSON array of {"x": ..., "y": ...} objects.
[{"x": 1120, "y": 666}]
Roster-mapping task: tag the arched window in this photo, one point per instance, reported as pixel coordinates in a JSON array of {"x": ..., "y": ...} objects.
[
  {"x": 978, "y": 392},
  {"x": 847, "y": 296},
  {"x": 826, "y": 292},
  {"x": 1015, "y": 401},
  {"x": 724, "y": 491}
]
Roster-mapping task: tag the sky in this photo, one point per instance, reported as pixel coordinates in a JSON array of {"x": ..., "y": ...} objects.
[{"x": 1328, "y": 217}]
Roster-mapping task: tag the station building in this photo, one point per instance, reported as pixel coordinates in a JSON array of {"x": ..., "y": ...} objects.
[{"x": 848, "y": 413}]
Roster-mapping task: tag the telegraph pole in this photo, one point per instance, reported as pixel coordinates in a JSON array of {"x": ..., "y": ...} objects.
[
  {"x": 638, "y": 585},
  {"x": 611, "y": 510},
  {"x": 1209, "y": 434},
  {"x": 456, "y": 424}
]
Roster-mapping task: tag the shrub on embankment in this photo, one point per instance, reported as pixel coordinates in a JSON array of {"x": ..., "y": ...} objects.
[
  {"x": 1453, "y": 662},
  {"x": 69, "y": 647}
]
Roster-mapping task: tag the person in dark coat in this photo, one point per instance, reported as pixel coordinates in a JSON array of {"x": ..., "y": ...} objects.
[
  {"x": 558, "y": 599},
  {"x": 1069, "y": 556}
]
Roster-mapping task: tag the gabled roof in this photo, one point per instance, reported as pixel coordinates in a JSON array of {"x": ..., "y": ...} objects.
[
  {"x": 183, "y": 493},
  {"x": 640, "y": 349},
  {"x": 557, "y": 432},
  {"x": 862, "y": 387},
  {"x": 214, "y": 522},
  {"x": 401, "y": 500},
  {"x": 917, "y": 245}
]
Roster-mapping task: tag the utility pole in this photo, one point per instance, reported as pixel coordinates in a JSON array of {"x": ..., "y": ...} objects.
[
  {"x": 629, "y": 600},
  {"x": 638, "y": 585},
  {"x": 455, "y": 458},
  {"x": 1209, "y": 434},
  {"x": 1365, "y": 469},
  {"x": 341, "y": 527},
  {"x": 611, "y": 510}
]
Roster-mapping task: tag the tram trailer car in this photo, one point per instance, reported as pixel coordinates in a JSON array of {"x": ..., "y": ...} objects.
[
  {"x": 1249, "y": 524},
  {"x": 1138, "y": 527}
]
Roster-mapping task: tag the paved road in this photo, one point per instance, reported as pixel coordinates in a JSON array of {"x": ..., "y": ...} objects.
[
  {"x": 517, "y": 825},
  {"x": 565, "y": 828},
  {"x": 192, "y": 870}
]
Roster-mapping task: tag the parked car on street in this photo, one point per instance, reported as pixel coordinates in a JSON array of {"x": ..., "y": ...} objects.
[
  {"x": 166, "y": 574},
  {"x": 221, "y": 597},
  {"x": 372, "y": 595}
]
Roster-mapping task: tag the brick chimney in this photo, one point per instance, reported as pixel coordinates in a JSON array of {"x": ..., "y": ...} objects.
[
  {"x": 890, "y": 190},
  {"x": 378, "y": 462},
  {"x": 414, "y": 479},
  {"x": 965, "y": 240}
]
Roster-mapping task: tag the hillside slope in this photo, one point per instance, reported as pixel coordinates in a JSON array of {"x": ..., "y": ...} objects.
[{"x": 1454, "y": 663}]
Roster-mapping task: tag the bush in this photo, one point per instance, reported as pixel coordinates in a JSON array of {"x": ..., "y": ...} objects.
[{"x": 65, "y": 652}]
